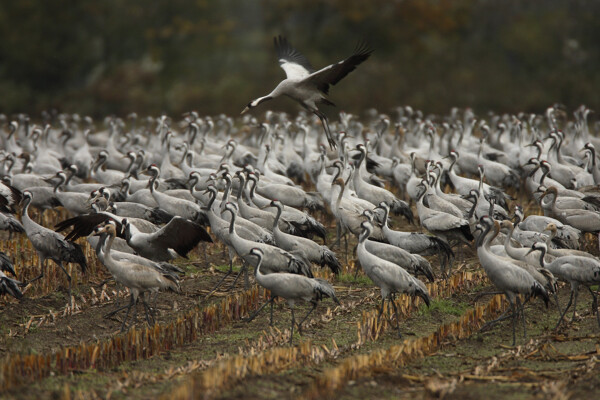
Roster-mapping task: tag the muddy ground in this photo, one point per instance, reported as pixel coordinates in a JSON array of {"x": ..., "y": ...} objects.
[{"x": 548, "y": 363}]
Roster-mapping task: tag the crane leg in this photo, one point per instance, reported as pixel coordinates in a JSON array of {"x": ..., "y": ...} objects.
[
  {"x": 246, "y": 278},
  {"x": 292, "y": 330},
  {"x": 113, "y": 312},
  {"x": 135, "y": 310},
  {"x": 575, "y": 303},
  {"x": 397, "y": 316},
  {"x": 155, "y": 304},
  {"x": 595, "y": 305},
  {"x": 127, "y": 314},
  {"x": 60, "y": 264},
  {"x": 514, "y": 320},
  {"x": 338, "y": 232},
  {"x": 40, "y": 276},
  {"x": 356, "y": 269},
  {"x": 556, "y": 299},
  {"x": 314, "y": 305},
  {"x": 218, "y": 285},
  {"x": 565, "y": 311},
  {"x": 489, "y": 324},
  {"x": 238, "y": 276},
  {"x": 270, "y": 301},
  {"x": 381, "y": 310},
  {"x": 323, "y": 118},
  {"x": 147, "y": 310},
  {"x": 521, "y": 307}
]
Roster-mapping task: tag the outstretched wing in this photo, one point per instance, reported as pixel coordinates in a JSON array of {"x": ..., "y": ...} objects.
[
  {"x": 334, "y": 73},
  {"x": 294, "y": 63},
  {"x": 83, "y": 225}
]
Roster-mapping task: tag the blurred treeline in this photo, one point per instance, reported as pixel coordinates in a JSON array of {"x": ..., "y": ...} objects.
[{"x": 116, "y": 56}]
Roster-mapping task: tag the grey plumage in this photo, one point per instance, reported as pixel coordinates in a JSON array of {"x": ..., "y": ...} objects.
[
  {"x": 10, "y": 286},
  {"x": 390, "y": 277},
  {"x": 304, "y": 247},
  {"x": 137, "y": 277},
  {"x": 10, "y": 224},
  {"x": 293, "y": 288},
  {"x": 506, "y": 276},
  {"x": 416, "y": 243},
  {"x": 274, "y": 258},
  {"x": 51, "y": 245},
  {"x": 576, "y": 270}
]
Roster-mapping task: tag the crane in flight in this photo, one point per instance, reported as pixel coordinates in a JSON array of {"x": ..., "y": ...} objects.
[{"x": 307, "y": 86}]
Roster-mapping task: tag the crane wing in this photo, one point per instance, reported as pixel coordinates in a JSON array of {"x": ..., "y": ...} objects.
[
  {"x": 334, "y": 73},
  {"x": 83, "y": 225},
  {"x": 181, "y": 235},
  {"x": 294, "y": 63}
]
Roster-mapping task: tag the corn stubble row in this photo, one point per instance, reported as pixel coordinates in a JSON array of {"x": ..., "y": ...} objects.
[
  {"x": 137, "y": 344},
  {"x": 371, "y": 327},
  {"x": 17, "y": 369},
  {"x": 207, "y": 383},
  {"x": 396, "y": 356}
]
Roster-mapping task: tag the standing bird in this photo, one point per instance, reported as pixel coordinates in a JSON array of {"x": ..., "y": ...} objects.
[
  {"x": 137, "y": 277},
  {"x": 576, "y": 270},
  {"x": 292, "y": 288},
  {"x": 390, "y": 277},
  {"x": 307, "y": 86},
  {"x": 505, "y": 275},
  {"x": 50, "y": 244}
]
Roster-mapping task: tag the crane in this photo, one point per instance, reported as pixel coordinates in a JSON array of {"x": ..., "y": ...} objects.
[
  {"x": 137, "y": 277},
  {"x": 306, "y": 86},
  {"x": 51, "y": 245},
  {"x": 293, "y": 288}
]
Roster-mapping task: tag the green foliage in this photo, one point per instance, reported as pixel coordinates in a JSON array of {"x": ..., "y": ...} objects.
[
  {"x": 111, "y": 56},
  {"x": 443, "y": 306},
  {"x": 360, "y": 279},
  {"x": 225, "y": 268}
]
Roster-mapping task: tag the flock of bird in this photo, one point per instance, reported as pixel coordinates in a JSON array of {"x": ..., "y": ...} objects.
[
  {"x": 145, "y": 192},
  {"x": 144, "y": 195}
]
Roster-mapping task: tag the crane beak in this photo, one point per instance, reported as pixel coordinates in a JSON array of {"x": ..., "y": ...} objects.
[{"x": 244, "y": 111}]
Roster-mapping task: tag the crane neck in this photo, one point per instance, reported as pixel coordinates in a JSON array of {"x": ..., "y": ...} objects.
[
  {"x": 386, "y": 212},
  {"x": 211, "y": 199},
  {"x": 242, "y": 186},
  {"x": 473, "y": 207},
  {"x": 454, "y": 159},
  {"x": 551, "y": 237},
  {"x": 339, "y": 199},
  {"x": 258, "y": 265},
  {"x": 107, "y": 256},
  {"x": 26, "y": 210},
  {"x": 277, "y": 216},
  {"x": 507, "y": 240},
  {"x": 252, "y": 188},
  {"x": 232, "y": 222},
  {"x": 364, "y": 235},
  {"x": 542, "y": 251},
  {"x": 483, "y": 238}
]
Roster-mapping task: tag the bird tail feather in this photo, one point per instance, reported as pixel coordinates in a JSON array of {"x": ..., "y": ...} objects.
[{"x": 324, "y": 288}]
